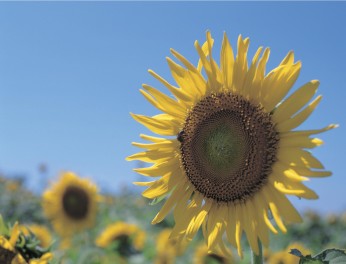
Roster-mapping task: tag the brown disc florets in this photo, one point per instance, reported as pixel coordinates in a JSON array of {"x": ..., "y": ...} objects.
[
  {"x": 228, "y": 147},
  {"x": 76, "y": 203}
]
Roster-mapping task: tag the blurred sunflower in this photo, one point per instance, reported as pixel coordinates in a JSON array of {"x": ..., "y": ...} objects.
[
  {"x": 204, "y": 256},
  {"x": 125, "y": 238},
  {"x": 234, "y": 155},
  {"x": 18, "y": 249},
  {"x": 167, "y": 249},
  {"x": 41, "y": 232},
  {"x": 284, "y": 257},
  {"x": 71, "y": 204}
]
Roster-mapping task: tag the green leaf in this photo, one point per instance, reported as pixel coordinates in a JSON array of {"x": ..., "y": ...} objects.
[
  {"x": 332, "y": 256},
  {"x": 328, "y": 256},
  {"x": 3, "y": 228}
]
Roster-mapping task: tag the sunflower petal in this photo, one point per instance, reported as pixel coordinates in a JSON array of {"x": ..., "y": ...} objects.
[
  {"x": 296, "y": 101},
  {"x": 299, "y": 118}
]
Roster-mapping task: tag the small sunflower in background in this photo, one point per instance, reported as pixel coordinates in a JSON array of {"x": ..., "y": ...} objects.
[
  {"x": 41, "y": 232},
  {"x": 167, "y": 249},
  {"x": 126, "y": 239},
  {"x": 228, "y": 153},
  {"x": 71, "y": 204},
  {"x": 204, "y": 256},
  {"x": 284, "y": 257}
]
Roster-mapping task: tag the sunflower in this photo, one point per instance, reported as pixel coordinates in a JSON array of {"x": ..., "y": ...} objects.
[
  {"x": 230, "y": 155},
  {"x": 204, "y": 256},
  {"x": 284, "y": 257},
  {"x": 41, "y": 232},
  {"x": 126, "y": 238},
  {"x": 14, "y": 250},
  {"x": 167, "y": 249},
  {"x": 71, "y": 204}
]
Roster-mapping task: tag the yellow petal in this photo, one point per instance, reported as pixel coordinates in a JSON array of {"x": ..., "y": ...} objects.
[
  {"x": 195, "y": 75},
  {"x": 159, "y": 168},
  {"x": 166, "y": 104},
  {"x": 174, "y": 198},
  {"x": 263, "y": 207},
  {"x": 167, "y": 144},
  {"x": 299, "y": 118},
  {"x": 213, "y": 84},
  {"x": 231, "y": 225},
  {"x": 197, "y": 221},
  {"x": 274, "y": 209},
  {"x": 255, "y": 213},
  {"x": 240, "y": 64},
  {"x": 227, "y": 62},
  {"x": 250, "y": 76},
  {"x": 177, "y": 92},
  {"x": 295, "y": 101},
  {"x": 161, "y": 127},
  {"x": 299, "y": 142},
  {"x": 239, "y": 229},
  {"x": 308, "y": 132},
  {"x": 205, "y": 50},
  {"x": 152, "y": 139},
  {"x": 309, "y": 173},
  {"x": 162, "y": 186},
  {"x": 152, "y": 156},
  {"x": 282, "y": 171},
  {"x": 288, "y": 212},
  {"x": 249, "y": 229},
  {"x": 288, "y": 60},
  {"x": 298, "y": 157},
  {"x": 277, "y": 84}
]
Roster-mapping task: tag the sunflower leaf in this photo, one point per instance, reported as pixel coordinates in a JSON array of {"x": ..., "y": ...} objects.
[{"x": 328, "y": 256}]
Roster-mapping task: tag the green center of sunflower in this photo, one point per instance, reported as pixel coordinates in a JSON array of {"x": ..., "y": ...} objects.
[
  {"x": 75, "y": 202},
  {"x": 228, "y": 146},
  {"x": 221, "y": 144}
]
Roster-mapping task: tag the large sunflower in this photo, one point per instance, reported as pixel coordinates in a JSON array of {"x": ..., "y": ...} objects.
[
  {"x": 234, "y": 155},
  {"x": 71, "y": 204}
]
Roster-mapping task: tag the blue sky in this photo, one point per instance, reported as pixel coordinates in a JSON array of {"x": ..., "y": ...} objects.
[{"x": 70, "y": 75}]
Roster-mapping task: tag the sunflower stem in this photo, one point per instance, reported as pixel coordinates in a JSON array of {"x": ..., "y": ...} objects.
[{"x": 257, "y": 259}]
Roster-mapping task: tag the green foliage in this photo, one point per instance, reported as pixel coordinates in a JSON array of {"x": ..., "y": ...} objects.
[{"x": 328, "y": 256}]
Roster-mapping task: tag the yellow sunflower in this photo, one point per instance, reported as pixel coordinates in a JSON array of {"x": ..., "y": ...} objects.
[
  {"x": 10, "y": 252},
  {"x": 41, "y": 232},
  {"x": 204, "y": 256},
  {"x": 71, "y": 204},
  {"x": 230, "y": 155},
  {"x": 167, "y": 249},
  {"x": 284, "y": 257},
  {"x": 125, "y": 237}
]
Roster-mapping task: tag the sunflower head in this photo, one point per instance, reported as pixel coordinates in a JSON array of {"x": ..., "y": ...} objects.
[
  {"x": 126, "y": 239},
  {"x": 71, "y": 204},
  {"x": 22, "y": 248},
  {"x": 228, "y": 152}
]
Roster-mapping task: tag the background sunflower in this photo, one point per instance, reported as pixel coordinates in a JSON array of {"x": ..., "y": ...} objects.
[{"x": 71, "y": 204}]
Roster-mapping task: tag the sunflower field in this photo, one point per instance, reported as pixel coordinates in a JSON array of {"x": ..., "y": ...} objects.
[{"x": 119, "y": 232}]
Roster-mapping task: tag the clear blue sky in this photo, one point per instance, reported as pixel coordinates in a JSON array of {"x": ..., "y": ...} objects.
[{"x": 70, "y": 75}]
